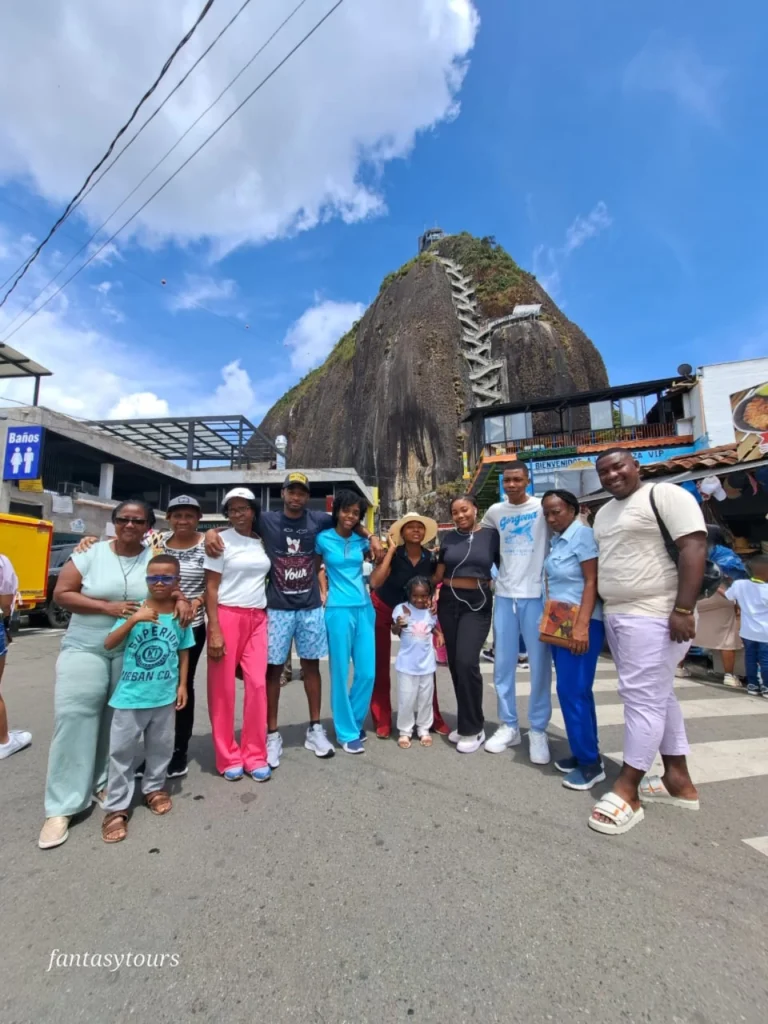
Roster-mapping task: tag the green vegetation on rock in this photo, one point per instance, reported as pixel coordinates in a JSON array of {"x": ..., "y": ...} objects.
[
  {"x": 423, "y": 259},
  {"x": 342, "y": 352},
  {"x": 499, "y": 282}
]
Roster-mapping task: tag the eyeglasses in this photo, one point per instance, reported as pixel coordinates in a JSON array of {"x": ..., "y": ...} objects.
[
  {"x": 129, "y": 521},
  {"x": 165, "y": 580}
]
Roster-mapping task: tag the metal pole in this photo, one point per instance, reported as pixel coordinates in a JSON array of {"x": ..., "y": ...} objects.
[
  {"x": 36, "y": 396},
  {"x": 240, "y": 443},
  {"x": 190, "y": 444}
]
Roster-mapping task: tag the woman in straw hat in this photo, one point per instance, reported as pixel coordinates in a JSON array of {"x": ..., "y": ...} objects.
[{"x": 406, "y": 557}]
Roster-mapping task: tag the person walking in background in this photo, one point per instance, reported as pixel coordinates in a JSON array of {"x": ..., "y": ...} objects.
[
  {"x": 407, "y": 557},
  {"x": 235, "y": 602},
  {"x": 151, "y": 689},
  {"x": 13, "y": 740},
  {"x": 570, "y": 576},
  {"x": 465, "y": 610},
  {"x": 414, "y": 622},
  {"x": 649, "y": 606},
  {"x": 519, "y": 606},
  {"x": 349, "y": 619},
  {"x": 751, "y": 596},
  {"x": 717, "y": 628}
]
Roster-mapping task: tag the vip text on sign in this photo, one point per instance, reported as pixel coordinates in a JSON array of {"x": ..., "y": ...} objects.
[{"x": 23, "y": 450}]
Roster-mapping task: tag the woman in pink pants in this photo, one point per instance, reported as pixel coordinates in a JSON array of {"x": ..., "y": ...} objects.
[{"x": 235, "y": 602}]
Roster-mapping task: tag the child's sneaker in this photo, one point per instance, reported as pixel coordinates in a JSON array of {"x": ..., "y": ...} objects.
[
  {"x": 753, "y": 690},
  {"x": 233, "y": 774},
  {"x": 262, "y": 774}
]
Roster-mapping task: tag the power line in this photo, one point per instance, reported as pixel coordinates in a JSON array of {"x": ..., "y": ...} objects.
[
  {"x": 180, "y": 45},
  {"x": 162, "y": 160},
  {"x": 133, "y": 138},
  {"x": 181, "y": 167}
]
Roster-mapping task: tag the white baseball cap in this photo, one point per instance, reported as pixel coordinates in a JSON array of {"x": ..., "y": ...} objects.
[{"x": 238, "y": 492}]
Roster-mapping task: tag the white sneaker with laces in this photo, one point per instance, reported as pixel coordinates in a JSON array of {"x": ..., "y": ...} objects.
[
  {"x": 454, "y": 737},
  {"x": 317, "y": 740},
  {"x": 730, "y": 680},
  {"x": 538, "y": 747},
  {"x": 469, "y": 744},
  {"x": 17, "y": 740},
  {"x": 504, "y": 737},
  {"x": 274, "y": 749}
]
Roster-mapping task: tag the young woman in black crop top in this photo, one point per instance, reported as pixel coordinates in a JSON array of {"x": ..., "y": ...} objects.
[{"x": 465, "y": 610}]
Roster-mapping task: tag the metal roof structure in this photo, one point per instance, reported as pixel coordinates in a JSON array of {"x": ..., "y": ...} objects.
[
  {"x": 557, "y": 402},
  {"x": 194, "y": 439},
  {"x": 15, "y": 364}
]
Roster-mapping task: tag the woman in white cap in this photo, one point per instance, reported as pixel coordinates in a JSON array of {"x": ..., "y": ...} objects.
[
  {"x": 235, "y": 602},
  {"x": 406, "y": 558}
]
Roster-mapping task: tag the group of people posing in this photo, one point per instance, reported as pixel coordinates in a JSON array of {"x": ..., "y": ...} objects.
[{"x": 143, "y": 610}]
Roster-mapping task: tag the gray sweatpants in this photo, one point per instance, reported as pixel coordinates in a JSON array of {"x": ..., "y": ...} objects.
[{"x": 157, "y": 726}]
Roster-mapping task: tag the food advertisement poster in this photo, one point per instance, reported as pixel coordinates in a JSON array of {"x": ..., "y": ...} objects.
[{"x": 749, "y": 409}]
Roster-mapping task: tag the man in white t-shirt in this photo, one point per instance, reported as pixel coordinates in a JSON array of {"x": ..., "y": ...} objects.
[
  {"x": 518, "y": 610},
  {"x": 649, "y": 602}
]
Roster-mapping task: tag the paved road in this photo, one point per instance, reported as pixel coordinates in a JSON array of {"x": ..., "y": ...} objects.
[{"x": 403, "y": 885}]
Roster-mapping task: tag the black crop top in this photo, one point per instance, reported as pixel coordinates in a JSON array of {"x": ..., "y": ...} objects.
[{"x": 469, "y": 555}]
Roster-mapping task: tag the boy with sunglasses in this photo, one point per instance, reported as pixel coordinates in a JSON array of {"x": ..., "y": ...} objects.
[{"x": 151, "y": 688}]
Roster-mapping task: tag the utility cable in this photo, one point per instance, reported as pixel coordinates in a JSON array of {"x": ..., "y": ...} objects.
[{"x": 180, "y": 45}]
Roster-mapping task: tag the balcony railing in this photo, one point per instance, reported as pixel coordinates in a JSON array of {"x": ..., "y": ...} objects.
[{"x": 582, "y": 438}]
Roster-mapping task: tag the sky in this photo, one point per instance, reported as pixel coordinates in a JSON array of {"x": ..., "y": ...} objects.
[{"x": 616, "y": 150}]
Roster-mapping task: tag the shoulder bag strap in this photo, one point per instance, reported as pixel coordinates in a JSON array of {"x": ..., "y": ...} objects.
[{"x": 669, "y": 544}]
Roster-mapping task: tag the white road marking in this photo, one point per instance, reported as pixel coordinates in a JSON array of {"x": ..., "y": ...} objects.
[
  {"x": 760, "y": 844},
  {"x": 726, "y": 707},
  {"x": 721, "y": 760}
]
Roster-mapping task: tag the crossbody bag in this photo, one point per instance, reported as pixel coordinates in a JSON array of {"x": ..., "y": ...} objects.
[{"x": 713, "y": 578}]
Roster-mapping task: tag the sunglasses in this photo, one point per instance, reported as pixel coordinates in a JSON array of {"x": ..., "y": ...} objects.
[
  {"x": 165, "y": 580},
  {"x": 129, "y": 521}
]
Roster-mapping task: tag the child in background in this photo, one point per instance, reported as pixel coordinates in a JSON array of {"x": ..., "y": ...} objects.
[
  {"x": 752, "y": 598},
  {"x": 414, "y": 623},
  {"x": 151, "y": 688}
]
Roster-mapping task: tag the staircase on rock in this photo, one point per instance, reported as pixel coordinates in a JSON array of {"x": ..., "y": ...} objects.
[{"x": 485, "y": 374}]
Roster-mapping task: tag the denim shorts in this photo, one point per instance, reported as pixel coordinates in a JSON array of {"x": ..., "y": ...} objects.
[
  {"x": 306, "y": 627},
  {"x": 3, "y": 640}
]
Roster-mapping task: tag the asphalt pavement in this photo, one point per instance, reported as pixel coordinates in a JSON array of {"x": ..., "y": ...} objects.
[{"x": 417, "y": 885}]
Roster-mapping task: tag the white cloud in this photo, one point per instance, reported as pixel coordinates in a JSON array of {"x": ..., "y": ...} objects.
[
  {"x": 103, "y": 287},
  {"x": 309, "y": 146},
  {"x": 202, "y": 290},
  {"x": 678, "y": 71},
  {"x": 142, "y": 403},
  {"x": 108, "y": 255},
  {"x": 549, "y": 260},
  {"x": 317, "y": 330}
]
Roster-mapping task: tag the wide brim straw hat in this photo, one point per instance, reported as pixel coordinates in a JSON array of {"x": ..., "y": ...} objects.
[{"x": 430, "y": 527}]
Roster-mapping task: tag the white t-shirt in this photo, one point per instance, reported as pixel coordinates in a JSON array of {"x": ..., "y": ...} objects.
[
  {"x": 752, "y": 599},
  {"x": 523, "y": 542},
  {"x": 244, "y": 567},
  {"x": 635, "y": 575},
  {"x": 416, "y": 656}
]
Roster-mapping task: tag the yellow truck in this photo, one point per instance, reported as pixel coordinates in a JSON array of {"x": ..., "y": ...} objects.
[{"x": 27, "y": 543}]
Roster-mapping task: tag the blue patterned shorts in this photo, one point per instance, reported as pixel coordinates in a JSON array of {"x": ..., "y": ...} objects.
[{"x": 306, "y": 627}]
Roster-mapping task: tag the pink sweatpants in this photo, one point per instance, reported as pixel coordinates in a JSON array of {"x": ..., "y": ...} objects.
[
  {"x": 646, "y": 658},
  {"x": 245, "y": 643}
]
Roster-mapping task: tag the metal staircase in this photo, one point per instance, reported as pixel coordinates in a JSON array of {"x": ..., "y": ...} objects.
[{"x": 486, "y": 375}]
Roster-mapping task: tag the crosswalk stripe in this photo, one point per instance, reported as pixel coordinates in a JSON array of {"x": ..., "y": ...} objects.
[
  {"x": 726, "y": 707},
  {"x": 760, "y": 843},
  {"x": 720, "y": 760}
]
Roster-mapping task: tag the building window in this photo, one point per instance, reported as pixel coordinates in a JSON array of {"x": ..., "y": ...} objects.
[
  {"x": 519, "y": 425},
  {"x": 601, "y": 415},
  {"x": 494, "y": 430},
  {"x": 632, "y": 411}
]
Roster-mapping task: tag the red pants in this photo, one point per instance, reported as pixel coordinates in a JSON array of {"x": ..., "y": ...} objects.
[
  {"x": 245, "y": 644},
  {"x": 381, "y": 702}
]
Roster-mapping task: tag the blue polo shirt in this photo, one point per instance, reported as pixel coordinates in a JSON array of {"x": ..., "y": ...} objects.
[
  {"x": 343, "y": 560},
  {"x": 562, "y": 566}
]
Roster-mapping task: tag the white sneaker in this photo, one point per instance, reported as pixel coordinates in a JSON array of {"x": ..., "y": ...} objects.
[
  {"x": 317, "y": 740},
  {"x": 504, "y": 737},
  {"x": 454, "y": 737},
  {"x": 54, "y": 832},
  {"x": 538, "y": 747},
  {"x": 274, "y": 749},
  {"x": 731, "y": 680},
  {"x": 17, "y": 740},
  {"x": 469, "y": 744}
]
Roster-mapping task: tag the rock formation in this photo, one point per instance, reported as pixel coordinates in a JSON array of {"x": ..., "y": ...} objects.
[{"x": 390, "y": 398}]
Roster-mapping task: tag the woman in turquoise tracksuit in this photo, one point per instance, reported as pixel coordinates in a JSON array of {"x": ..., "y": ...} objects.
[{"x": 349, "y": 620}]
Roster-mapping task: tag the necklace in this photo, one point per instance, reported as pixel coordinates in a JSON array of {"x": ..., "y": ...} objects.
[{"x": 127, "y": 572}]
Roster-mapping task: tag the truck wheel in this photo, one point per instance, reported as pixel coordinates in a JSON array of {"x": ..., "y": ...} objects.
[{"x": 57, "y": 616}]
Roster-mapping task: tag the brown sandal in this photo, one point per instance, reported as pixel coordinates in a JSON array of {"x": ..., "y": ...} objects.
[
  {"x": 425, "y": 741},
  {"x": 159, "y": 802},
  {"x": 114, "y": 828},
  {"x": 404, "y": 742}
]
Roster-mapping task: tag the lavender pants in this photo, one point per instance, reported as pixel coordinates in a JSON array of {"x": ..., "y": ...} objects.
[{"x": 646, "y": 658}]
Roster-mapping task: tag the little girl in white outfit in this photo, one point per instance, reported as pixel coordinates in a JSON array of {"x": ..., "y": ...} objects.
[{"x": 415, "y": 664}]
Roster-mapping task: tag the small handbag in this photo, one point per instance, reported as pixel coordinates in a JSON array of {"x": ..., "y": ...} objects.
[
  {"x": 558, "y": 620},
  {"x": 713, "y": 577}
]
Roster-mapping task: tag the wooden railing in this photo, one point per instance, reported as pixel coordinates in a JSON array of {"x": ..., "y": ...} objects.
[{"x": 581, "y": 438}]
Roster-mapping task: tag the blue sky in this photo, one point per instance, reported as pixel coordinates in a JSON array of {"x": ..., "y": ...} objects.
[{"x": 616, "y": 150}]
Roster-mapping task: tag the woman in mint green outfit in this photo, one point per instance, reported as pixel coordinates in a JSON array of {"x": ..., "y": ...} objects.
[{"x": 98, "y": 586}]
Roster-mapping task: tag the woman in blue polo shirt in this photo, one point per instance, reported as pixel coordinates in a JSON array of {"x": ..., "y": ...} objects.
[
  {"x": 570, "y": 574},
  {"x": 349, "y": 619}
]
